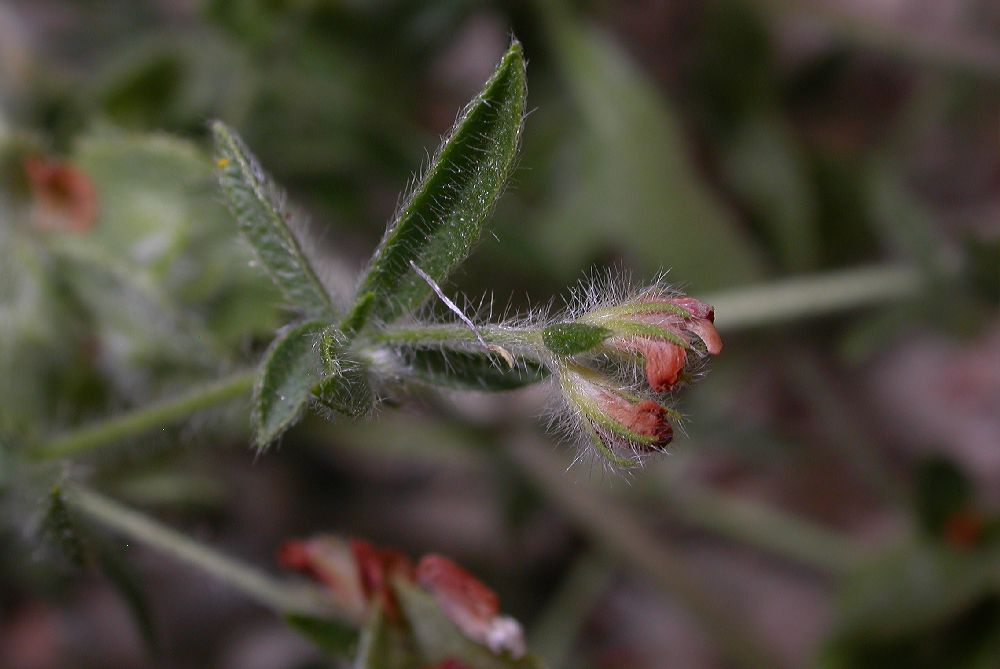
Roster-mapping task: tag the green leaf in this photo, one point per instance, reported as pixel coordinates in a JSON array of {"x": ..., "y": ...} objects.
[
  {"x": 920, "y": 606},
  {"x": 128, "y": 310},
  {"x": 466, "y": 370},
  {"x": 765, "y": 168},
  {"x": 573, "y": 338},
  {"x": 383, "y": 646},
  {"x": 161, "y": 218},
  {"x": 60, "y": 526},
  {"x": 344, "y": 388},
  {"x": 259, "y": 209},
  {"x": 632, "y": 185},
  {"x": 942, "y": 491},
  {"x": 444, "y": 215},
  {"x": 304, "y": 363},
  {"x": 438, "y": 638},
  {"x": 290, "y": 369},
  {"x": 332, "y": 637}
]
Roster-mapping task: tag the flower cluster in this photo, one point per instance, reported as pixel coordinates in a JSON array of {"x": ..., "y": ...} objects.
[
  {"x": 361, "y": 575},
  {"x": 599, "y": 354}
]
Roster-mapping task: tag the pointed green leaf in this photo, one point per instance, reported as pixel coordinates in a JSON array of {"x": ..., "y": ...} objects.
[
  {"x": 467, "y": 370},
  {"x": 263, "y": 219},
  {"x": 383, "y": 646},
  {"x": 61, "y": 528},
  {"x": 444, "y": 215},
  {"x": 330, "y": 636},
  {"x": 291, "y": 367},
  {"x": 635, "y": 187},
  {"x": 294, "y": 372}
]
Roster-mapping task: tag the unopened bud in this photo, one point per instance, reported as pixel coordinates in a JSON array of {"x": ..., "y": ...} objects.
[
  {"x": 64, "y": 197},
  {"x": 621, "y": 426},
  {"x": 661, "y": 330},
  {"x": 470, "y": 604}
]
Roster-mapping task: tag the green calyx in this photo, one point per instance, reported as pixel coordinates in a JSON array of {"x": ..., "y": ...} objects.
[{"x": 573, "y": 338}]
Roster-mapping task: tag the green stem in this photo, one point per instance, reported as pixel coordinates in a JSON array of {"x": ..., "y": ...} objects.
[
  {"x": 793, "y": 299},
  {"x": 444, "y": 334},
  {"x": 617, "y": 530},
  {"x": 764, "y": 528},
  {"x": 146, "y": 418},
  {"x": 559, "y": 625},
  {"x": 281, "y": 596}
]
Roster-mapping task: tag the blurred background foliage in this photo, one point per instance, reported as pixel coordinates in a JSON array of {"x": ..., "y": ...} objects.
[{"x": 838, "y": 485}]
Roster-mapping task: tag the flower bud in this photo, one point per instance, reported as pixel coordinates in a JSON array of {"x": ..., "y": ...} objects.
[
  {"x": 662, "y": 331},
  {"x": 470, "y": 604},
  {"x": 64, "y": 197},
  {"x": 357, "y": 572},
  {"x": 621, "y": 426},
  {"x": 330, "y": 561}
]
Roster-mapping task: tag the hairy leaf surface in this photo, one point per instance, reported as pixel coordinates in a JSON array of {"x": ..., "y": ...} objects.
[
  {"x": 444, "y": 215},
  {"x": 259, "y": 209}
]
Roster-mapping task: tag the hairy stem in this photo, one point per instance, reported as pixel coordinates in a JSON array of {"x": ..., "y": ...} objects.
[
  {"x": 146, "y": 418},
  {"x": 444, "y": 334},
  {"x": 281, "y": 596},
  {"x": 618, "y": 532}
]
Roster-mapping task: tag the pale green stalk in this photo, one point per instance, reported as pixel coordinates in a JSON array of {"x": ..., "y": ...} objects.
[
  {"x": 146, "y": 419},
  {"x": 284, "y": 597}
]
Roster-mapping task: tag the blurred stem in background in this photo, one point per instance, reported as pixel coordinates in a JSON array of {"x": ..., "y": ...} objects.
[
  {"x": 282, "y": 596},
  {"x": 111, "y": 431}
]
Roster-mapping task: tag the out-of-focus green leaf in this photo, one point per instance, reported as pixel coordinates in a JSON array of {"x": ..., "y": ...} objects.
[
  {"x": 36, "y": 343},
  {"x": 942, "y": 491},
  {"x": 172, "y": 80},
  {"x": 383, "y": 646},
  {"x": 920, "y": 606},
  {"x": 467, "y": 370},
  {"x": 635, "y": 190},
  {"x": 290, "y": 369},
  {"x": 136, "y": 321},
  {"x": 438, "y": 639},
  {"x": 332, "y": 637},
  {"x": 443, "y": 217},
  {"x": 263, "y": 219},
  {"x": 764, "y": 167},
  {"x": 844, "y": 216},
  {"x": 62, "y": 529},
  {"x": 983, "y": 267},
  {"x": 904, "y": 223},
  {"x": 160, "y": 217}
]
